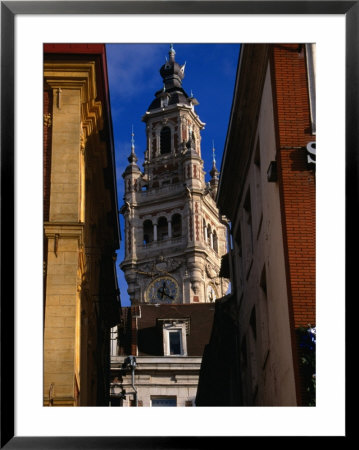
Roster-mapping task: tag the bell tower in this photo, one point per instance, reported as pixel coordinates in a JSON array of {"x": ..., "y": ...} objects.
[{"x": 174, "y": 237}]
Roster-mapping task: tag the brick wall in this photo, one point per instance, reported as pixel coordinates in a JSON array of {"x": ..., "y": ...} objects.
[
  {"x": 141, "y": 333},
  {"x": 297, "y": 182},
  {"x": 297, "y": 187}
]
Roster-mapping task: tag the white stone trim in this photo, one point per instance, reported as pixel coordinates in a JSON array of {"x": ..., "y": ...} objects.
[{"x": 174, "y": 327}]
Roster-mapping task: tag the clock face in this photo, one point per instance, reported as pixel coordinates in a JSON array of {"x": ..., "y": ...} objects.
[
  {"x": 162, "y": 290},
  {"x": 211, "y": 294}
]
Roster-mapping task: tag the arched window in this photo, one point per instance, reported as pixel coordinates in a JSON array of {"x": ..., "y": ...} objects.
[
  {"x": 176, "y": 225},
  {"x": 204, "y": 231},
  {"x": 165, "y": 140},
  {"x": 162, "y": 228},
  {"x": 147, "y": 232},
  {"x": 209, "y": 235},
  {"x": 215, "y": 242}
]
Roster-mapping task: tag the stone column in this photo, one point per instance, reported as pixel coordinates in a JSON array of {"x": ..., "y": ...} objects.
[
  {"x": 155, "y": 231},
  {"x": 169, "y": 229}
]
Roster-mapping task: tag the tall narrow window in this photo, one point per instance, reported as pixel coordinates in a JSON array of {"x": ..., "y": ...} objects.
[
  {"x": 147, "y": 232},
  {"x": 215, "y": 242},
  {"x": 175, "y": 342},
  {"x": 165, "y": 140},
  {"x": 209, "y": 234},
  {"x": 162, "y": 229},
  {"x": 176, "y": 225}
]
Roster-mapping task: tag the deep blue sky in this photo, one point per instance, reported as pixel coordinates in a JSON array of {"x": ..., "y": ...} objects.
[{"x": 134, "y": 77}]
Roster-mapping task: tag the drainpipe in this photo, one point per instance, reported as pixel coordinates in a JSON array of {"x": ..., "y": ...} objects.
[{"x": 130, "y": 363}]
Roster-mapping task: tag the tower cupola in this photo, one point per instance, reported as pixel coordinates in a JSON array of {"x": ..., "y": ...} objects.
[
  {"x": 172, "y": 92},
  {"x": 171, "y": 72}
]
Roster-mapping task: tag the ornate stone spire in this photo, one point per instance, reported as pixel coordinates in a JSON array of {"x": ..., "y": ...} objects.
[
  {"x": 214, "y": 172},
  {"x": 132, "y": 158}
]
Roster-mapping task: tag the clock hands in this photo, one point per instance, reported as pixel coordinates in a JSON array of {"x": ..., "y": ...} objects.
[{"x": 162, "y": 291}]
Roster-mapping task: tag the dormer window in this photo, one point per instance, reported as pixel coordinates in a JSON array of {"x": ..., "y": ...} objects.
[
  {"x": 174, "y": 339},
  {"x": 165, "y": 141}
]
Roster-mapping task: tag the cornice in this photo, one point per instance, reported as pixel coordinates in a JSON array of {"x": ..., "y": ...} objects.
[
  {"x": 80, "y": 75},
  {"x": 252, "y": 67},
  {"x": 64, "y": 229},
  {"x": 72, "y": 75}
]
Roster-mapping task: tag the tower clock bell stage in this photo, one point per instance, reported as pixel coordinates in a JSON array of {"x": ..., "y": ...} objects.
[{"x": 174, "y": 236}]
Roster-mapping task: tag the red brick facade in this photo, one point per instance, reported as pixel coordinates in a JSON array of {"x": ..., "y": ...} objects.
[
  {"x": 297, "y": 189},
  {"x": 297, "y": 183},
  {"x": 141, "y": 333}
]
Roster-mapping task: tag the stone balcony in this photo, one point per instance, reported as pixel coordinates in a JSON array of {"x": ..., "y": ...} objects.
[
  {"x": 157, "y": 193},
  {"x": 162, "y": 244}
]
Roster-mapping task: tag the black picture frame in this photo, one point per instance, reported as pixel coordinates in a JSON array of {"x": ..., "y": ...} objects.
[{"x": 9, "y": 9}]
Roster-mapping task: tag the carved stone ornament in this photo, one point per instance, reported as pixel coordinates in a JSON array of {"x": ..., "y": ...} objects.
[
  {"x": 47, "y": 120},
  {"x": 82, "y": 141},
  {"x": 211, "y": 272},
  {"x": 160, "y": 266}
]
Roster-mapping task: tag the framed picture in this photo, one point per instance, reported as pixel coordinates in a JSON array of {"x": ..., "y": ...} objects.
[{"x": 25, "y": 423}]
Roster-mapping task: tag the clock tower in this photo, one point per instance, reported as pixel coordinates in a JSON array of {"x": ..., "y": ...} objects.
[{"x": 174, "y": 236}]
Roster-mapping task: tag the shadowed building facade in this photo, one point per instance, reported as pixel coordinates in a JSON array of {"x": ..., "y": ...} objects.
[{"x": 267, "y": 191}]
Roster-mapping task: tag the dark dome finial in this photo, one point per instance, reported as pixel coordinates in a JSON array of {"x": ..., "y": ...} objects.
[
  {"x": 171, "y": 72},
  {"x": 172, "y": 53}
]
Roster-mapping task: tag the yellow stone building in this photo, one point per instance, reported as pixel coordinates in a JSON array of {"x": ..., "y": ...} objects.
[{"x": 81, "y": 227}]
